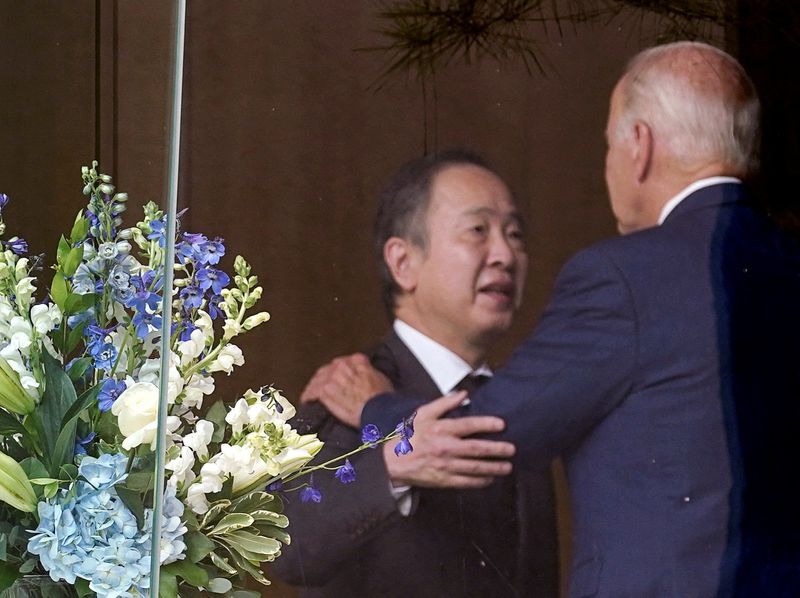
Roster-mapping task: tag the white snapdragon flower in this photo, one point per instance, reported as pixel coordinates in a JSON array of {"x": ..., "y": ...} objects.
[
  {"x": 229, "y": 356},
  {"x": 196, "y": 499},
  {"x": 231, "y": 328},
  {"x": 211, "y": 477},
  {"x": 191, "y": 349},
  {"x": 194, "y": 391},
  {"x": 236, "y": 458},
  {"x": 238, "y": 417},
  {"x": 181, "y": 467},
  {"x": 24, "y": 291},
  {"x": 206, "y": 324},
  {"x": 199, "y": 439},
  {"x": 45, "y": 317}
]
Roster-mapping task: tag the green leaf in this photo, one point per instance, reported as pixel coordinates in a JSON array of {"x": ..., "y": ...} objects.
[
  {"x": 189, "y": 572},
  {"x": 72, "y": 261},
  {"x": 231, "y": 522},
  {"x": 74, "y": 337},
  {"x": 33, "y": 468},
  {"x": 50, "y": 490},
  {"x": 68, "y": 471},
  {"x": 216, "y": 415},
  {"x": 42, "y": 481},
  {"x": 88, "y": 398},
  {"x": 276, "y": 519},
  {"x": 75, "y": 303},
  {"x": 213, "y": 513},
  {"x": 63, "y": 250},
  {"x": 132, "y": 500},
  {"x": 249, "y": 567},
  {"x": 140, "y": 481},
  {"x": 56, "y": 433},
  {"x": 198, "y": 546},
  {"x": 167, "y": 584},
  {"x": 79, "y": 228},
  {"x": 247, "y": 593},
  {"x": 258, "y": 501},
  {"x": 82, "y": 588},
  {"x": 8, "y": 575},
  {"x": 271, "y": 531},
  {"x": 223, "y": 564},
  {"x": 245, "y": 542},
  {"x": 10, "y": 425},
  {"x": 78, "y": 367},
  {"x": 29, "y": 565},
  {"x": 58, "y": 290}
]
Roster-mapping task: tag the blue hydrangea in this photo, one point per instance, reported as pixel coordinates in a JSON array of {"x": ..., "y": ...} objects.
[{"x": 87, "y": 532}]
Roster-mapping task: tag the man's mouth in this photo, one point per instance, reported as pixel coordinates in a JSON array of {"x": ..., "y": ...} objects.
[{"x": 499, "y": 291}]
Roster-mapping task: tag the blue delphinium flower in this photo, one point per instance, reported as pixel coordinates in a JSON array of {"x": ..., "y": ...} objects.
[
  {"x": 145, "y": 323},
  {"x": 159, "y": 232},
  {"x": 109, "y": 393},
  {"x": 309, "y": 493},
  {"x": 211, "y": 278},
  {"x": 213, "y": 307},
  {"x": 211, "y": 252},
  {"x": 81, "y": 443},
  {"x": 104, "y": 355},
  {"x": 17, "y": 245},
  {"x": 3, "y": 200},
  {"x": 83, "y": 281},
  {"x": 346, "y": 473},
  {"x": 370, "y": 434},
  {"x": 406, "y": 430},
  {"x": 276, "y": 486},
  {"x": 192, "y": 296}
]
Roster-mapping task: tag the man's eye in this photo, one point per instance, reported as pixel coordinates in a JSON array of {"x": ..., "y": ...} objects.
[{"x": 479, "y": 228}]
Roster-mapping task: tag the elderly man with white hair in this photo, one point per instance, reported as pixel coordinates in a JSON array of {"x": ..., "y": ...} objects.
[{"x": 665, "y": 368}]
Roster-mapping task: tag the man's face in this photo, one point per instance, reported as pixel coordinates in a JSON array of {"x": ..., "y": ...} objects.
[
  {"x": 470, "y": 276},
  {"x": 620, "y": 171}
]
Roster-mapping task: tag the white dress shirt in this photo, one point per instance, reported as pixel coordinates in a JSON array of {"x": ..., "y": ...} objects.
[
  {"x": 445, "y": 368},
  {"x": 687, "y": 191}
]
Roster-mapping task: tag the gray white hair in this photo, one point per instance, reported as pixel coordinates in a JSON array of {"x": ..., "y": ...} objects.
[{"x": 698, "y": 101}]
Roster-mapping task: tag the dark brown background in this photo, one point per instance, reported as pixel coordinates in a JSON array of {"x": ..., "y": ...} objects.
[{"x": 285, "y": 145}]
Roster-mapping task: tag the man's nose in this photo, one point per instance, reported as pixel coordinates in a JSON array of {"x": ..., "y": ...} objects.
[{"x": 501, "y": 252}]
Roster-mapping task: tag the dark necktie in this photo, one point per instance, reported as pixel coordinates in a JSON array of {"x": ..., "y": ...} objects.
[{"x": 472, "y": 382}]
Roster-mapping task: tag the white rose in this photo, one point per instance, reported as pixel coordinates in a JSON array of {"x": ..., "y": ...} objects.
[
  {"x": 229, "y": 356},
  {"x": 137, "y": 414}
]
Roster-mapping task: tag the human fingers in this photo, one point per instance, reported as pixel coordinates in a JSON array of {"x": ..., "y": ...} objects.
[
  {"x": 313, "y": 387},
  {"x": 438, "y": 407},
  {"x": 470, "y": 425},
  {"x": 480, "y": 467},
  {"x": 479, "y": 448}
]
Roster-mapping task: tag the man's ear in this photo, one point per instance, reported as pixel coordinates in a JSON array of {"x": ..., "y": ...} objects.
[
  {"x": 401, "y": 257},
  {"x": 642, "y": 149}
]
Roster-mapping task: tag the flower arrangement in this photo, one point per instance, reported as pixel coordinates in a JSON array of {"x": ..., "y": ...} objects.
[{"x": 79, "y": 399}]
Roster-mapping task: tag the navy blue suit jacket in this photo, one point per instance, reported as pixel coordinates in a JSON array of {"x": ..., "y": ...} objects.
[{"x": 666, "y": 372}]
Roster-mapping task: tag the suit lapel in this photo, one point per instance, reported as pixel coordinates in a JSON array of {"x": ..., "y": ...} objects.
[{"x": 395, "y": 360}]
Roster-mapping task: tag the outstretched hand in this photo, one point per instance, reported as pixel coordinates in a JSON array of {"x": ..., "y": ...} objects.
[
  {"x": 345, "y": 385},
  {"x": 443, "y": 456}
]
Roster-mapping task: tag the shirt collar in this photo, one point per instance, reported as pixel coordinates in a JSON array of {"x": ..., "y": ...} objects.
[
  {"x": 687, "y": 191},
  {"x": 444, "y": 367}
]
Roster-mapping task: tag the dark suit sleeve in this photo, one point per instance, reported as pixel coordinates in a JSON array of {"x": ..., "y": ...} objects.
[
  {"x": 569, "y": 373},
  {"x": 325, "y": 536}
]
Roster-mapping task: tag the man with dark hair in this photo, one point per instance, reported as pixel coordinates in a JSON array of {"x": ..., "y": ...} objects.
[
  {"x": 440, "y": 521},
  {"x": 665, "y": 368}
]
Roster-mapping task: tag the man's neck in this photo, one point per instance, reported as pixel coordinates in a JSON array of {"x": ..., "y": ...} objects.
[{"x": 473, "y": 354}]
